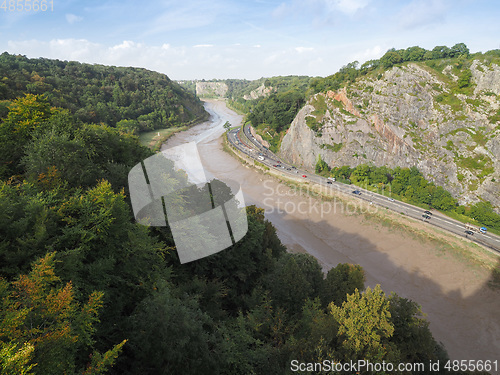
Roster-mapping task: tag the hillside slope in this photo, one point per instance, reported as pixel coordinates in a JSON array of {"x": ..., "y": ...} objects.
[
  {"x": 128, "y": 98},
  {"x": 440, "y": 117}
]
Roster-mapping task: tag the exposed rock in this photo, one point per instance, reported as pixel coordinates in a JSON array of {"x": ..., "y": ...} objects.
[
  {"x": 409, "y": 117},
  {"x": 211, "y": 89},
  {"x": 258, "y": 92},
  {"x": 259, "y": 138}
]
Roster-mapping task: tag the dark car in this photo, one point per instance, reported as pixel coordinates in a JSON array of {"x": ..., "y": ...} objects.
[
  {"x": 469, "y": 232},
  {"x": 357, "y": 192},
  {"x": 427, "y": 212},
  {"x": 426, "y": 216},
  {"x": 329, "y": 182}
]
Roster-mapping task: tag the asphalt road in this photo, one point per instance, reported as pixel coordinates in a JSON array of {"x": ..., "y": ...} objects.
[{"x": 245, "y": 142}]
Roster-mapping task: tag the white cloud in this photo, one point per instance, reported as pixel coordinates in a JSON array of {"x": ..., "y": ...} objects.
[
  {"x": 203, "y": 46},
  {"x": 72, "y": 18},
  {"x": 369, "y": 54}
]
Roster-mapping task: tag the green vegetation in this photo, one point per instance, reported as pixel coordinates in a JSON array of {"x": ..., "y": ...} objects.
[
  {"x": 313, "y": 124},
  {"x": 322, "y": 167},
  {"x": 350, "y": 72},
  {"x": 86, "y": 290},
  {"x": 130, "y": 99},
  {"x": 335, "y": 147},
  {"x": 409, "y": 185},
  {"x": 449, "y": 99},
  {"x": 480, "y": 163}
]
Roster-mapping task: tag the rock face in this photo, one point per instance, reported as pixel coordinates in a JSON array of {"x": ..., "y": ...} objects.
[
  {"x": 409, "y": 117},
  {"x": 258, "y": 92},
  {"x": 211, "y": 89}
]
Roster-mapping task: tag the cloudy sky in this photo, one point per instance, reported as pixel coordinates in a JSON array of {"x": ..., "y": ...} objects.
[{"x": 195, "y": 39}]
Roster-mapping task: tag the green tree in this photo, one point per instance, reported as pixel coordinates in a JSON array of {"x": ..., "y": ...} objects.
[
  {"x": 458, "y": 50},
  {"x": 365, "y": 327},
  {"x": 464, "y": 79},
  {"x": 295, "y": 279},
  {"x": 390, "y": 58},
  {"x": 25, "y": 115},
  {"x": 412, "y": 335},
  {"x": 171, "y": 335},
  {"x": 342, "y": 280},
  {"x": 322, "y": 167},
  {"x": 47, "y": 327}
]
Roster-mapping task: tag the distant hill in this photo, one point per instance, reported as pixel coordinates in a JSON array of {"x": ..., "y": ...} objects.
[
  {"x": 129, "y": 98},
  {"x": 239, "y": 91}
]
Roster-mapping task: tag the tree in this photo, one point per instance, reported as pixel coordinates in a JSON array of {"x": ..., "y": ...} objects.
[
  {"x": 412, "y": 335},
  {"x": 42, "y": 322},
  {"x": 294, "y": 280},
  {"x": 414, "y": 54},
  {"x": 390, "y": 58},
  {"x": 365, "y": 328},
  {"x": 170, "y": 335},
  {"x": 227, "y": 125},
  {"x": 464, "y": 79},
  {"x": 342, "y": 280},
  {"x": 25, "y": 115},
  {"x": 458, "y": 50},
  {"x": 322, "y": 167}
]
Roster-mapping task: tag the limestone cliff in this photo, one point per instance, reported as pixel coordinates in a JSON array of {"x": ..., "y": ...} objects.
[
  {"x": 409, "y": 116},
  {"x": 258, "y": 92},
  {"x": 211, "y": 89}
]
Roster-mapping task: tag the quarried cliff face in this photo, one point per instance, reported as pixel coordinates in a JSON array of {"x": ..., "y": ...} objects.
[
  {"x": 409, "y": 116},
  {"x": 211, "y": 89}
]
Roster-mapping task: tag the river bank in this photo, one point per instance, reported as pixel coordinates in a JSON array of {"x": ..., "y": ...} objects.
[{"x": 463, "y": 312}]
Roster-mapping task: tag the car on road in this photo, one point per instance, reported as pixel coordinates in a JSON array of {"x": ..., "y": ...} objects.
[
  {"x": 329, "y": 182},
  {"x": 289, "y": 169},
  {"x": 469, "y": 232},
  {"x": 261, "y": 158},
  {"x": 391, "y": 199},
  {"x": 275, "y": 165},
  {"x": 331, "y": 179},
  {"x": 426, "y": 217},
  {"x": 304, "y": 176},
  {"x": 427, "y": 212},
  {"x": 357, "y": 192}
]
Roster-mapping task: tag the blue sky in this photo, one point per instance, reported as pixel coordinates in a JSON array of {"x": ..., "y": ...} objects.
[{"x": 195, "y": 39}]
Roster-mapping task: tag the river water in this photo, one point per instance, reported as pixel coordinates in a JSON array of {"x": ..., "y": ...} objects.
[{"x": 463, "y": 312}]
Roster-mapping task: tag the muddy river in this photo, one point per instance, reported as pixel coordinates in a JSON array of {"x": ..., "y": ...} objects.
[{"x": 464, "y": 313}]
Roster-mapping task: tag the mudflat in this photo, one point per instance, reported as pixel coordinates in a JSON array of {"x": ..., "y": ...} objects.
[{"x": 464, "y": 313}]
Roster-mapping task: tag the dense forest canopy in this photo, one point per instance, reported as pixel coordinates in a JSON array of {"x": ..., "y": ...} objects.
[
  {"x": 130, "y": 99},
  {"x": 86, "y": 290}
]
